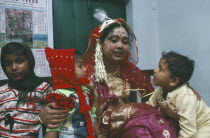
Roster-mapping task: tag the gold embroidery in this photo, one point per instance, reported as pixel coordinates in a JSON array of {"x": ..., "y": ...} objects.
[{"x": 117, "y": 86}]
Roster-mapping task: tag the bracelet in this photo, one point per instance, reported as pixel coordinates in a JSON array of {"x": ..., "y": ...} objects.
[
  {"x": 40, "y": 120},
  {"x": 102, "y": 135}
]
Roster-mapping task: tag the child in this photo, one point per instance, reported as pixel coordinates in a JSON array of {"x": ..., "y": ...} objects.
[
  {"x": 22, "y": 98},
  {"x": 173, "y": 72},
  {"x": 68, "y": 76}
]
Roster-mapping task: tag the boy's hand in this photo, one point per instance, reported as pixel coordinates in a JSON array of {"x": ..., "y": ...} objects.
[
  {"x": 51, "y": 116},
  {"x": 164, "y": 108}
]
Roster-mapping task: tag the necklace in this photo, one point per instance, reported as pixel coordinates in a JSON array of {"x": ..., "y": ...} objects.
[{"x": 115, "y": 72}]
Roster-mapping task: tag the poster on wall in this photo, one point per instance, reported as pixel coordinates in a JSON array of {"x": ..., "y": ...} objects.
[{"x": 29, "y": 22}]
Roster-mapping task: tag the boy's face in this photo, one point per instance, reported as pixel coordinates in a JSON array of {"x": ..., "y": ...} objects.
[
  {"x": 80, "y": 70},
  {"x": 162, "y": 76},
  {"x": 16, "y": 66}
]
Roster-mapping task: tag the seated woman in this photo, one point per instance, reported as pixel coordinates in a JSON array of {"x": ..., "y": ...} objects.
[
  {"x": 114, "y": 75},
  {"x": 110, "y": 60}
]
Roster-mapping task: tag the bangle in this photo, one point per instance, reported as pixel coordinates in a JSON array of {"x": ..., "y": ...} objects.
[
  {"x": 40, "y": 120},
  {"x": 102, "y": 135}
]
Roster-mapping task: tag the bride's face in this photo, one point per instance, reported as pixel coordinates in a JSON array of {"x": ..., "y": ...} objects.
[{"x": 116, "y": 45}]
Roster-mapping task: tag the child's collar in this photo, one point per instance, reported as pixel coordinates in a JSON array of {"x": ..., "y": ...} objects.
[{"x": 166, "y": 94}]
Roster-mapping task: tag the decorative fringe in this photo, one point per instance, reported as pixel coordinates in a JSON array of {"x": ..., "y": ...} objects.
[
  {"x": 91, "y": 137},
  {"x": 84, "y": 81},
  {"x": 89, "y": 123},
  {"x": 84, "y": 107},
  {"x": 100, "y": 72}
]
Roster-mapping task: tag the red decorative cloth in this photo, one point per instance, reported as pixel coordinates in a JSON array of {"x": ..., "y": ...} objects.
[
  {"x": 62, "y": 67},
  {"x": 61, "y": 62},
  {"x": 62, "y": 102}
]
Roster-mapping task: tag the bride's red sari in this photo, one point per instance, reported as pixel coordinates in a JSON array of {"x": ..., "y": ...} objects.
[{"x": 118, "y": 118}]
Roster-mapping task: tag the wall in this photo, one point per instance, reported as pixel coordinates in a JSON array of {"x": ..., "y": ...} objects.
[
  {"x": 143, "y": 19},
  {"x": 179, "y": 25}
]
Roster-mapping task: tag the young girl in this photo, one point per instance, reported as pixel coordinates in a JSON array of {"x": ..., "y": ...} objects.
[
  {"x": 23, "y": 97},
  {"x": 68, "y": 76},
  {"x": 173, "y": 72}
]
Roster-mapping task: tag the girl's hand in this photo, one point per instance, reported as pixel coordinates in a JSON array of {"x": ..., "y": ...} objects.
[
  {"x": 51, "y": 116},
  {"x": 164, "y": 108}
]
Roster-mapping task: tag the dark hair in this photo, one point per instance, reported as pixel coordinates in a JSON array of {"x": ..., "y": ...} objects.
[
  {"x": 20, "y": 50},
  {"x": 31, "y": 81},
  {"x": 77, "y": 55},
  {"x": 180, "y": 66},
  {"x": 110, "y": 28}
]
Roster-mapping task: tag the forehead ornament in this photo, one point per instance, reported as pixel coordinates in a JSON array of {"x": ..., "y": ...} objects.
[{"x": 118, "y": 31}]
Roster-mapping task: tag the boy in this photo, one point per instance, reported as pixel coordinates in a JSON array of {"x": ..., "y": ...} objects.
[
  {"x": 173, "y": 72},
  {"x": 69, "y": 80}
]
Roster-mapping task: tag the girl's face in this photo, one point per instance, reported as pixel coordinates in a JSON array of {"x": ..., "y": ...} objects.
[
  {"x": 16, "y": 67},
  {"x": 80, "y": 70},
  {"x": 116, "y": 45},
  {"x": 162, "y": 75}
]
